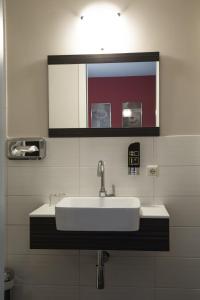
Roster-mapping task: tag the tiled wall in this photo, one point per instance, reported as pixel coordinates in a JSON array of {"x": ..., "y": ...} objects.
[
  {"x": 2, "y": 148},
  {"x": 70, "y": 167}
]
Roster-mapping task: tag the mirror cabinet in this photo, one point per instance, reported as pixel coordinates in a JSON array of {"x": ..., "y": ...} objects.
[{"x": 103, "y": 95}]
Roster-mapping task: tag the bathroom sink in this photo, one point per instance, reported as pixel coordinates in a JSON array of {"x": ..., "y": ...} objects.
[{"x": 98, "y": 214}]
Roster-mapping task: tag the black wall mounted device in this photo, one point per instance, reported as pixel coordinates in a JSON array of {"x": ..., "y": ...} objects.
[{"x": 134, "y": 158}]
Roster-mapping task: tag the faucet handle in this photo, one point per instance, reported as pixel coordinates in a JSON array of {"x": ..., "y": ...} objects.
[{"x": 113, "y": 194}]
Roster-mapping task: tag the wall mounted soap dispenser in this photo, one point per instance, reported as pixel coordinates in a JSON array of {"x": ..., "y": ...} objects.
[{"x": 134, "y": 159}]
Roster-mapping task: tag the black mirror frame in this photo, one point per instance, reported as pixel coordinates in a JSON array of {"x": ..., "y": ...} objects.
[{"x": 103, "y": 58}]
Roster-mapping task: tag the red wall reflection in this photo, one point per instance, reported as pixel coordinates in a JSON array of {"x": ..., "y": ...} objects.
[{"x": 116, "y": 90}]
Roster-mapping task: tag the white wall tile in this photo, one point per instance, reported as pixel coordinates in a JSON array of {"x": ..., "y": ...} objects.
[
  {"x": 88, "y": 270},
  {"x": 131, "y": 271},
  {"x": 42, "y": 181},
  {"x": 183, "y": 210},
  {"x": 60, "y": 153},
  {"x": 19, "y": 207},
  {"x": 178, "y": 181},
  {"x": 184, "y": 242},
  {"x": 177, "y": 150},
  {"x": 29, "y": 292},
  {"x": 18, "y": 237},
  {"x": 177, "y": 294},
  {"x": 113, "y": 151},
  {"x": 45, "y": 269},
  {"x": 125, "y": 184},
  {"x": 119, "y": 271},
  {"x": 178, "y": 273},
  {"x": 116, "y": 293},
  {"x": 119, "y": 253},
  {"x": 133, "y": 253},
  {"x": 128, "y": 274}
]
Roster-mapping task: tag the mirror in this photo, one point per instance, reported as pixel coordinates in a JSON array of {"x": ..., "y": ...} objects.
[{"x": 104, "y": 95}]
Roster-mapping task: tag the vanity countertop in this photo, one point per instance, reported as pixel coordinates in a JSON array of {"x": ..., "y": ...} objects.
[
  {"x": 44, "y": 211},
  {"x": 153, "y": 211}
]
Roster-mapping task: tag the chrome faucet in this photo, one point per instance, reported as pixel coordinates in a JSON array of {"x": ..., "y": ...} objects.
[{"x": 101, "y": 173}]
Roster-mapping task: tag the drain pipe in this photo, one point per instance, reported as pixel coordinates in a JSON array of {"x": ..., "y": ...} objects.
[{"x": 102, "y": 257}]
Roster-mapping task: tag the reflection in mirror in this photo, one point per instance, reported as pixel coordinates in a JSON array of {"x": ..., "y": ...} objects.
[
  {"x": 131, "y": 114},
  {"x": 124, "y": 92},
  {"x": 100, "y": 115},
  {"x": 118, "y": 93}
]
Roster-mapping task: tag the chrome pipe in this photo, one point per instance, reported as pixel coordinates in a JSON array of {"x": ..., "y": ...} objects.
[
  {"x": 102, "y": 257},
  {"x": 100, "y": 278}
]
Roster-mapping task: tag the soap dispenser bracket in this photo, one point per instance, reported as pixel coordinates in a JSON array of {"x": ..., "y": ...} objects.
[{"x": 26, "y": 148}]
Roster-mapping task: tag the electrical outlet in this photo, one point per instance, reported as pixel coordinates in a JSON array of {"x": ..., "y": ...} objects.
[{"x": 152, "y": 170}]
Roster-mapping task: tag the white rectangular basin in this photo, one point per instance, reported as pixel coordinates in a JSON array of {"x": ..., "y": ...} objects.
[{"x": 98, "y": 214}]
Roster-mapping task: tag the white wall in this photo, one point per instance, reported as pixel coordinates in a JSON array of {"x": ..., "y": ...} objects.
[
  {"x": 70, "y": 167},
  {"x": 37, "y": 28}
]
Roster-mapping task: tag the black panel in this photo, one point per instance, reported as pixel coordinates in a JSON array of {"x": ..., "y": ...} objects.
[
  {"x": 103, "y": 132},
  {"x": 31, "y": 143},
  {"x": 102, "y": 58},
  {"x": 153, "y": 235}
]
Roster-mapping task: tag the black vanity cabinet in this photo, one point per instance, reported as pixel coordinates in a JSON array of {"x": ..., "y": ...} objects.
[{"x": 153, "y": 235}]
